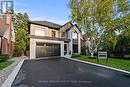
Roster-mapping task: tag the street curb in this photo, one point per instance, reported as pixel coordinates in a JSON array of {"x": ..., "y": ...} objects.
[
  {"x": 8, "y": 82},
  {"x": 120, "y": 70}
]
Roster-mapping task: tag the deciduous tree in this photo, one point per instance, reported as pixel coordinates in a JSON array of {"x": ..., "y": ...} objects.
[{"x": 98, "y": 19}]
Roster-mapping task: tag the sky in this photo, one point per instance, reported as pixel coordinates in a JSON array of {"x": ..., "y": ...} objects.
[{"x": 56, "y": 11}]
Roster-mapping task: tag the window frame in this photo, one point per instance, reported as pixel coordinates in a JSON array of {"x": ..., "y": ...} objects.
[
  {"x": 75, "y": 34},
  {"x": 63, "y": 34},
  {"x": 53, "y": 33},
  {"x": 39, "y": 31}
]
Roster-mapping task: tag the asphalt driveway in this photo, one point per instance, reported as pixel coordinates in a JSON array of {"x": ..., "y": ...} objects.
[{"x": 62, "y": 72}]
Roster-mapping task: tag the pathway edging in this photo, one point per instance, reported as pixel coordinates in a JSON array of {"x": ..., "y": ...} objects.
[{"x": 8, "y": 82}]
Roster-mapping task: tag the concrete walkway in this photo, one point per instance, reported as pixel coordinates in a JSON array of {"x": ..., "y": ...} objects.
[{"x": 6, "y": 71}]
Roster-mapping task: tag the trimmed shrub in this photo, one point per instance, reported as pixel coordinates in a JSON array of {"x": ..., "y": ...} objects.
[{"x": 4, "y": 57}]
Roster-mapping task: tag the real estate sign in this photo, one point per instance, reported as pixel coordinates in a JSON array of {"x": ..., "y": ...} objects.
[{"x": 102, "y": 55}]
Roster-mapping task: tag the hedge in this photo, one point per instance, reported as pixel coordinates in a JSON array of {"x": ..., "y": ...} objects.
[{"x": 4, "y": 57}]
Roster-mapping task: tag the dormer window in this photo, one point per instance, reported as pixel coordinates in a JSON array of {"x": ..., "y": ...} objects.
[{"x": 39, "y": 31}]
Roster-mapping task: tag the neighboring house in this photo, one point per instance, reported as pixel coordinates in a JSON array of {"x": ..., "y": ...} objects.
[
  {"x": 6, "y": 34},
  {"x": 50, "y": 39}
]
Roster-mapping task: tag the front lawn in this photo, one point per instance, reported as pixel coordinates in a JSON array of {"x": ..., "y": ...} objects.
[
  {"x": 4, "y": 64},
  {"x": 116, "y": 63}
]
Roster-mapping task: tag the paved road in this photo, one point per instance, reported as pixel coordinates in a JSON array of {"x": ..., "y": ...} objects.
[{"x": 62, "y": 72}]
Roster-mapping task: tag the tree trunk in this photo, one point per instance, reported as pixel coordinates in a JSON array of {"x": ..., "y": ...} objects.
[{"x": 92, "y": 55}]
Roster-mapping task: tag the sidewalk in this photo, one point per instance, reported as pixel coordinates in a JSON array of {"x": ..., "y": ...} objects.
[{"x": 6, "y": 71}]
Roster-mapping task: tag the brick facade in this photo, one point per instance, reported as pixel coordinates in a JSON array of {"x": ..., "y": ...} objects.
[{"x": 6, "y": 31}]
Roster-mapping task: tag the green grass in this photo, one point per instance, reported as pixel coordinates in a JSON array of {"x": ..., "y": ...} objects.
[
  {"x": 116, "y": 63},
  {"x": 4, "y": 64}
]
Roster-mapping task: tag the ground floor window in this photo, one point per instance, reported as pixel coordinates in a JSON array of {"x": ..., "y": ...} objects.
[
  {"x": 65, "y": 49},
  {"x": 75, "y": 48}
]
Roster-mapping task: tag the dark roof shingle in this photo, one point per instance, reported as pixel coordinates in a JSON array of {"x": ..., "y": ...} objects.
[{"x": 47, "y": 24}]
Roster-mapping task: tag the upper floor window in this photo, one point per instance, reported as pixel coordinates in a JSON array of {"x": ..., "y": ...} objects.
[
  {"x": 53, "y": 33},
  {"x": 75, "y": 35},
  {"x": 39, "y": 31},
  {"x": 63, "y": 34}
]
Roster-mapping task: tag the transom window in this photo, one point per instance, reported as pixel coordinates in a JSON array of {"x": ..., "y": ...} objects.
[{"x": 39, "y": 31}]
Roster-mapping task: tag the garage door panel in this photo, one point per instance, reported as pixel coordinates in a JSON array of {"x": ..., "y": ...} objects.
[
  {"x": 56, "y": 49},
  {"x": 47, "y": 49},
  {"x": 40, "y": 52}
]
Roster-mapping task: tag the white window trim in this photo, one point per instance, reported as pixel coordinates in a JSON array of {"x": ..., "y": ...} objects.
[
  {"x": 39, "y": 31},
  {"x": 74, "y": 35}
]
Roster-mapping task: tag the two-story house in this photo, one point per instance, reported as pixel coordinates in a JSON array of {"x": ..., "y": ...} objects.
[
  {"x": 6, "y": 34},
  {"x": 50, "y": 39}
]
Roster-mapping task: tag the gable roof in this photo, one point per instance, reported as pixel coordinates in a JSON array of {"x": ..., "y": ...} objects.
[
  {"x": 54, "y": 25},
  {"x": 66, "y": 26},
  {"x": 67, "y": 23},
  {"x": 47, "y": 24},
  {"x": 3, "y": 26},
  {"x": 75, "y": 25}
]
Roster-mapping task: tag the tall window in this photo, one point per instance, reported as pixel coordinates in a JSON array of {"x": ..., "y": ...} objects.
[
  {"x": 53, "y": 33},
  {"x": 75, "y": 35},
  {"x": 39, "y": 31},
  {"x": 65, "y": 49}
]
